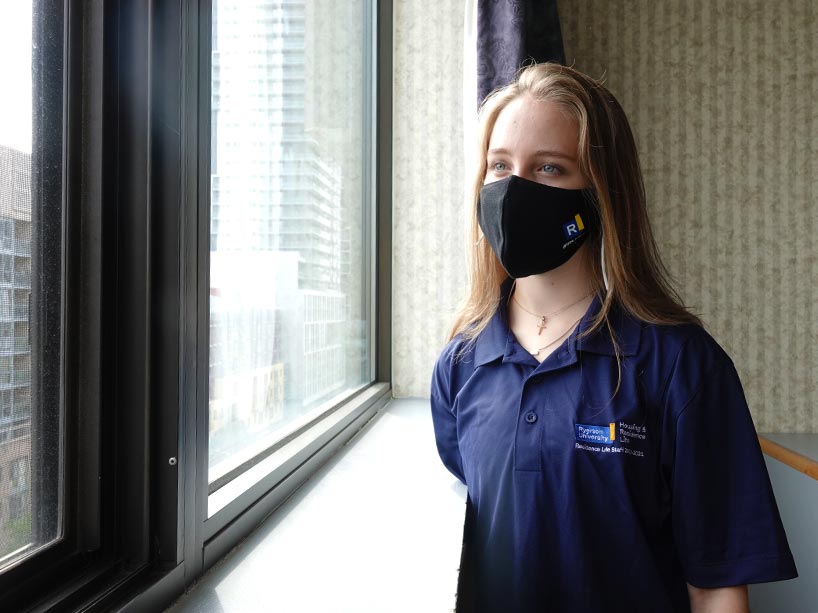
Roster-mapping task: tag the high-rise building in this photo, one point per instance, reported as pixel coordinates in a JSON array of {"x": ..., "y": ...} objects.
[
  {"x": 276, "y": 188},
  {"x": 272, "y": 187},
  {"x": 15, "y": 352}
]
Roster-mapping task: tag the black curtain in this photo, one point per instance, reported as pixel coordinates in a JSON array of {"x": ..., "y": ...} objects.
[{"x": 513, "y": 32}]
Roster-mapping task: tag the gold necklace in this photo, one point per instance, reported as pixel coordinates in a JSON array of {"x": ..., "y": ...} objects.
[
  {"x": 536, "y": 352},
  {"x": 543, "y": 318}
]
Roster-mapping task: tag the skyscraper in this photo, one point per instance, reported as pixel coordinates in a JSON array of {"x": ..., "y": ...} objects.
[
  {"x": 15, "y": 353},
  {"x": 278, "y": 187}
]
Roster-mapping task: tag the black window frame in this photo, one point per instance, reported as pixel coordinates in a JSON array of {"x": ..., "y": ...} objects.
[
  {"x": 76, "y": 561},
  {"x": 134, "y": 198}
]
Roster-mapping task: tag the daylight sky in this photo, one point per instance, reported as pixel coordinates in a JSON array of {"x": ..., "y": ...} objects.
[{"x": 15, "y": 74}]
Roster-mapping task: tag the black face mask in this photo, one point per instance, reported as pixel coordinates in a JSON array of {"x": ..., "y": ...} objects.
[{"x": 533, "y": 228}]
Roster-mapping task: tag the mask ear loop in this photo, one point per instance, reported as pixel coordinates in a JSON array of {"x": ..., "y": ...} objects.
[{"x": 602, "y": 258}]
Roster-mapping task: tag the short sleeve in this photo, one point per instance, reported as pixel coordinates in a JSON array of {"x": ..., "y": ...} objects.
[
  {"x": 726, "y": 524},
  {"x": 444, "y": 419}
]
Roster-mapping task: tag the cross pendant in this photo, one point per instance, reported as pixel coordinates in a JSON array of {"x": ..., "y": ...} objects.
[{"x": 541, "y": 325}]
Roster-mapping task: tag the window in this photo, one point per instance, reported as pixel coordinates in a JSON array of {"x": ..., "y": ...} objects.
[
  {"x": 7, "y": 223},
  {"x": 6, "y": 311},
  {"x": 187, "y": 232},
  {"x": 6, "y": 267},
  {"x": 30, "y": 519},
  {"x": 290, "y": 289},
  {"x": 6, "y": 410}
]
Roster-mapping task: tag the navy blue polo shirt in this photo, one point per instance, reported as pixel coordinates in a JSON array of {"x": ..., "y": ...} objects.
[{"x": 586, "y": 500}]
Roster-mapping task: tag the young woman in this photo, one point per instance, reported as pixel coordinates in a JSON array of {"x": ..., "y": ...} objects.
[{"x": 610, "y": 457}]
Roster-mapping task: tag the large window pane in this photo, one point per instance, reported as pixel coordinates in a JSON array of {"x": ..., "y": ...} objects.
[
  {"x": 30, "y": 188},
  {"x": 289, "y": 291}
]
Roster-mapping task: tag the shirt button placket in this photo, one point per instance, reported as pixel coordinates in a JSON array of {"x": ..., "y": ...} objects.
[{"x": 527, "y": 447}]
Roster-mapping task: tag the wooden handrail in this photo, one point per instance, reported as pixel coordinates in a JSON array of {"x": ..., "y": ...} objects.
[{"x": 791, "y": 458}]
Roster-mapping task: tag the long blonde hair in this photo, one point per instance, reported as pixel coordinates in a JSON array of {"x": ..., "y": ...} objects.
[{"x": 607, "y": 158}]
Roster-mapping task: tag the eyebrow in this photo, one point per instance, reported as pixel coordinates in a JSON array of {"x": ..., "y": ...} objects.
[{"x": 539, "y": 152}]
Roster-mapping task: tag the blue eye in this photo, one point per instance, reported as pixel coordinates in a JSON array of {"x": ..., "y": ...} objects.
[
  {"x": 549, "y": 169},
  {"x": 498, "y": 166}
]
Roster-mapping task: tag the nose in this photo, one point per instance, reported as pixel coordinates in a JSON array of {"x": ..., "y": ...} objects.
[{"x": 526, "y": 175}]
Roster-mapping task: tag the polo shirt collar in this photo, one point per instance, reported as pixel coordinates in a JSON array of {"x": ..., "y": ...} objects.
[{"x": 497, "y": 341}]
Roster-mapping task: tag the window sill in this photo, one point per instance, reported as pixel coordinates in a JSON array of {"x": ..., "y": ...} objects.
[{"x": 379, "y": 527}]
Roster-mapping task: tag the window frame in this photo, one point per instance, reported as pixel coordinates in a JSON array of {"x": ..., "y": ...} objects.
[
  {"x": 136, "y": 125},
  {"x": 97, "y": 276},
  {"x": 54, "y": 177},
  {"x": 316, "y": 437}
]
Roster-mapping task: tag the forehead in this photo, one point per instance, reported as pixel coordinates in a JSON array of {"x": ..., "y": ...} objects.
[{"x": 538, "y": 124}]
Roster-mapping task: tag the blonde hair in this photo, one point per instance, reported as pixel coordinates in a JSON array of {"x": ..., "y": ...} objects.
[{"x": 607, "y": 158}]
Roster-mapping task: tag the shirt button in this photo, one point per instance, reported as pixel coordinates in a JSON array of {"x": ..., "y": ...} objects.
[{"x": 531, "y": 417}]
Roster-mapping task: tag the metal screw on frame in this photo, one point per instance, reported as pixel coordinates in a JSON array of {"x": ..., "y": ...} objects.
[{"x": 172, "y": 461}]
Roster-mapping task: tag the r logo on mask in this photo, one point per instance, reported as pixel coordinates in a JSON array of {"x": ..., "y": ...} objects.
[{"x": 573, "y": 228}]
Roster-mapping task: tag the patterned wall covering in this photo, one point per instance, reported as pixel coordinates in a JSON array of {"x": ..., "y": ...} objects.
[
  {"x": 428, "y": 261},
  {"x": 723, "y": 97}
]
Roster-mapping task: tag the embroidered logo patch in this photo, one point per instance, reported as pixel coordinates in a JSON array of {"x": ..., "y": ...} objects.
[{"x": 601, "y": 435}]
